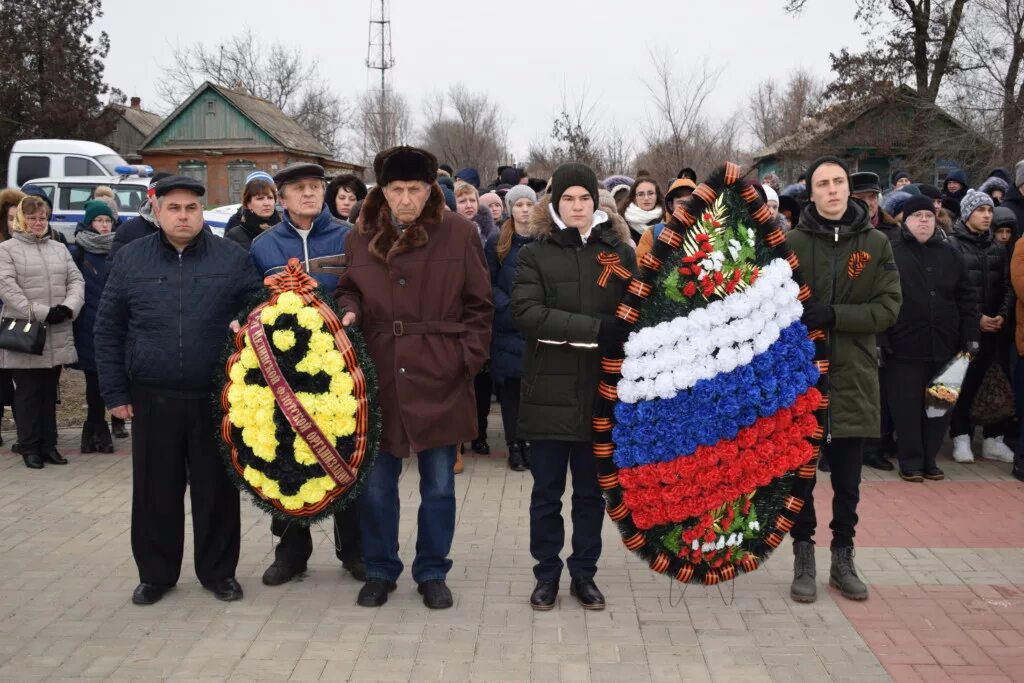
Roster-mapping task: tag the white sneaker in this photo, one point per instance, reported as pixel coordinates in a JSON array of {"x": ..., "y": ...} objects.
[
  {"x": 962, "y": 448},
  {"x": 995, "y": 449}
]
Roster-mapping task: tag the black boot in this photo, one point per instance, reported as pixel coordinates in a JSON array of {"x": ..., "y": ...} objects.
[
  {"x": 88, "y": 438},
  {"x": 117, "y": 426},
  {"x": 53, "y": 456},
  {"x": 32, "y": 460},
  {"x": 515, "y": 458},
  {"x": 101, "y": 438},
  {"x": 480, "y": 446}
]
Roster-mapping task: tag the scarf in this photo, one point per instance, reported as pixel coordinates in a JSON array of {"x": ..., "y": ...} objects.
[
  {"x": 93, "y": 242},
  {"x": 639, "y": 219},
  {"x": 254, "y": 224}
]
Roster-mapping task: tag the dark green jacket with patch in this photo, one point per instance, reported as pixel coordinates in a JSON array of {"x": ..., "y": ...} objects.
[
  {"x": 866, "y": 297},
  {"x": 558, "y": 306}
]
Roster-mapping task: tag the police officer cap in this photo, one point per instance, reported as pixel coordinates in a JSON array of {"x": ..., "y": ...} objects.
[
  {"x": 299, "y": 171},
  {"x": 178, "y": 182}
]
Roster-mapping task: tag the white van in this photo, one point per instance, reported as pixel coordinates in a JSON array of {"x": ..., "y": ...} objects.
[
  {"x": 31, "y": 159},
  {"x": 70, "y": 194}
]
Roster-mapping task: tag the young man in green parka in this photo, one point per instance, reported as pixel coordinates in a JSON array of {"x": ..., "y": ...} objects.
[{"x": 855, "y": 294}]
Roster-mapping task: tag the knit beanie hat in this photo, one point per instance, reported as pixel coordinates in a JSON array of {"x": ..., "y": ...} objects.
[
  {"x": 971, "y": 201},
  {"x": 571, "y": 175},
  {"x": 918, "y": 203},
  {"x": 511, "y": 176},
  {"x": 489, "y": 198},
  {"x": 827, "y": 159},
  {"x": 897, "y": 175},
  {"x": 1004, "y": 217},
  {"x": 930, "y": 191},
  {"x": 112, "y": 203},
  {"x": 770, "y": 194},
  {"x": 469, "y": 175},
  {"x": 95, "y": 208},
  {"x": 519, "y": 192}
]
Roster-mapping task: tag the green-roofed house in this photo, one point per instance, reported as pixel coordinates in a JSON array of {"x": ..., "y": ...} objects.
[{"x": 220, "y": 135}]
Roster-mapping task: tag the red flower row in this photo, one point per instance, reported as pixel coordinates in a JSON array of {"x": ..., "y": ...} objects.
[{"x": 690, "y": 485}]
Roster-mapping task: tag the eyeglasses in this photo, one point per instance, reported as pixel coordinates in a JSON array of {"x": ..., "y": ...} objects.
[
  {"x": 922, "y": 216},
  {"x": 36, "y": 219}
]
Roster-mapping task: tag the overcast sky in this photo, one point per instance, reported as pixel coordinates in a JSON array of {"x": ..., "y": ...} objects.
[{"x": 522, "y": 53}]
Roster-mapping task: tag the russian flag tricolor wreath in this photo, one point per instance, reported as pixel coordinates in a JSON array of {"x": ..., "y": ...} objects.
[
  {"x": 708, "y": 424},
  {"x": 300, "y": 423}
]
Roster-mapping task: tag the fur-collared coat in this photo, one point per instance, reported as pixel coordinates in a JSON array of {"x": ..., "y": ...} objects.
[
  {"x": 422, "y": 297},
  {"x": 559, "y": 306}
]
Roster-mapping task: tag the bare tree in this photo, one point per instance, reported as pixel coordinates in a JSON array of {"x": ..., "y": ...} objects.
[
  {"x": 272, "y": 72},
  {"x": 989, "y": 92},
  {"x": 679, "y": 131},
  {"x": 381, "y": 120},
  {"x": 465, "y": 129},
  {"x": 916, "y": 39},
  {"x": 776, "y": 110}
]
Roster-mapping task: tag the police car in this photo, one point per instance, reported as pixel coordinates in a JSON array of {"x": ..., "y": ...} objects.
[{"x": 69, "y": 195}]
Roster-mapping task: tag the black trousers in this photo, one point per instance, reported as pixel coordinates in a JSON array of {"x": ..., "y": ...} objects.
[
  {"x": 920, "y": 436},
  {"x": 484, "y": 387},
  {"x": 549, "y": 462},
  {"x": 961, "y": 422},
  {"x": 96, "y": 411},
  {"x": 172, "y": 436},
  {"x": 35, "y": 400},
  {"x": 845, "y": 457},
  {"x": 508, "y": 394},
  {"x": 296, "y": 544}
]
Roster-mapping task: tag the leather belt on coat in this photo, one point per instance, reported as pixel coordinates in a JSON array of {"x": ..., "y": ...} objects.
[{"x": 401, "y": 329}]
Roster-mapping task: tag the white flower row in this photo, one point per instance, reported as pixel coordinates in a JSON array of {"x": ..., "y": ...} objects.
[{"x": 673, "y": 356}]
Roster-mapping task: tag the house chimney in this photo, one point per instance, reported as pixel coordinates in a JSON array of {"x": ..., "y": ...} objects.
[{"x": 136, "y": 103}]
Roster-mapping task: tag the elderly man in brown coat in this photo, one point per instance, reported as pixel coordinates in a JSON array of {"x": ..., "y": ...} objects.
[{"x": 418, "y": 286}]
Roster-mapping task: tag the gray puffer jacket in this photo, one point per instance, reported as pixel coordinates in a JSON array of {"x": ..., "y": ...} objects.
[{"x": 35, "y": 275}]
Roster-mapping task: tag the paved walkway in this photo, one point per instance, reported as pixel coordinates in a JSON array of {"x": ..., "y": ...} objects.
[{"x": 945, "y": 562}]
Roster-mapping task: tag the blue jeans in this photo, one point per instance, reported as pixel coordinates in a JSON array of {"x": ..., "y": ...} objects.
[{"x": 379, "y": 510}]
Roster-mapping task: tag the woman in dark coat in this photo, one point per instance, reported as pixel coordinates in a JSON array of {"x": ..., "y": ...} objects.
[
  {"x": 343, "y": 193},
  {"x": 566, "y": 311},
  {"x": 259, "y": 210},
  {"x": 507, "y": 343},
  {"x": 938, "y": 318}
]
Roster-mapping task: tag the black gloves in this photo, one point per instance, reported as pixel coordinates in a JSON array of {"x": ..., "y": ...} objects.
[
  {"x": 818, "y": 316},
  {"x": 58, "y": 314},
  {"x": 612, "y": 333}
]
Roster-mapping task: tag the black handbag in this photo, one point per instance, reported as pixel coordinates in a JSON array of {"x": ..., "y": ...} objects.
[{"x": 23, "y": 336}]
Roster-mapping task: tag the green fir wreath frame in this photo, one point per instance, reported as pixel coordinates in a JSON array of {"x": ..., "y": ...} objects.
[
  {"x": 229, "y": 439},
  {"x": 648, "y": 544}
]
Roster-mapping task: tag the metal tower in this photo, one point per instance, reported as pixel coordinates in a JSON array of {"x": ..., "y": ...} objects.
[{"x": 378, "y": 53}]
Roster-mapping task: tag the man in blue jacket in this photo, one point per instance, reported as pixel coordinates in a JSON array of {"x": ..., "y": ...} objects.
[
  {"x": 161, "y": 327},
  {"x": 307, "y": 231}
]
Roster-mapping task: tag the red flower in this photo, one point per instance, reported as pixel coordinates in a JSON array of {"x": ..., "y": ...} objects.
[{"x": 690, "y": 289}]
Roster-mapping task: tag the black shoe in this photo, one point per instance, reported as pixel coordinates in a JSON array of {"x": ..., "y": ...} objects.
[
  {"x": 101, "y": 438},
  {"x": 225, "y": 590},
  {"x": 524, "y": 448},
  {"x": 933, "y": 473},
  {"x": 915, "y": 476},
  {"x": 281, "y": 572},
  {"x": 543, "y": 597},
  {"x": 88, "y": 439},
  {"x": 436, "y": 594},
  {"x": 374, "y": 592},
  {"x": 481, "y": 447},
  {"x": 117, "y": 427},
  {"x": 515, "y": 458},
  {"x": 32, "y": 460},
  {"x": 878, "y": 461},
  {"x": 356, "y": 567},
  {"x": 148, "y": 593},
  {"x": 585, "y": 590},
  {"x": 53, "y": 457}
]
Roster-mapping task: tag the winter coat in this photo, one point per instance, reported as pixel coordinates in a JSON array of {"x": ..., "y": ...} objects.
[
  {"x": 94, "y": 268},
  {"x": 507, "y": 342},
  {"x": 163, "y": 317},
  {"x": 558, "y": 306},
  {"x": 131, "y": 230},
  {"x": 988, "y": 270},
  {"x": 37, "y": 274},
  {"x": 485, "y": 224},
  {"x": 866, "y": 302},
  {"x": 1017, "y": 280},
  {"x": 939, "y": 314},
  {"x": 422, "y": 297},
  {"x": 250, "y": 227},
  {"x": 961, "y": 178},
  {"x": 322, "y": 251},
  {"x": 1014, "y": 201},
  {"x": 889, "y": 226}
]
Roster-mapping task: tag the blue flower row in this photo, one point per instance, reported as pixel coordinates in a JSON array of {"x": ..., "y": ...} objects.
[{"x": 714, "y": 409}]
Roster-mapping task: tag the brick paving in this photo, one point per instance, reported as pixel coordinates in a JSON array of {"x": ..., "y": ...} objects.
[{"x": 945, "y": 562}]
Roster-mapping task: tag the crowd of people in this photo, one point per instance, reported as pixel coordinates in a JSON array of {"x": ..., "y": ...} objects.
[{"x": 467, "y": 291}]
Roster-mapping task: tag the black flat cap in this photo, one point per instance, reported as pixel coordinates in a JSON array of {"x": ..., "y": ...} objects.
[
  {"x": 865, "y": 181},
  {"x": 298, "y": 171},
  {"x": 179, "y": 182},
  {"x": 405, "y": 163}
]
